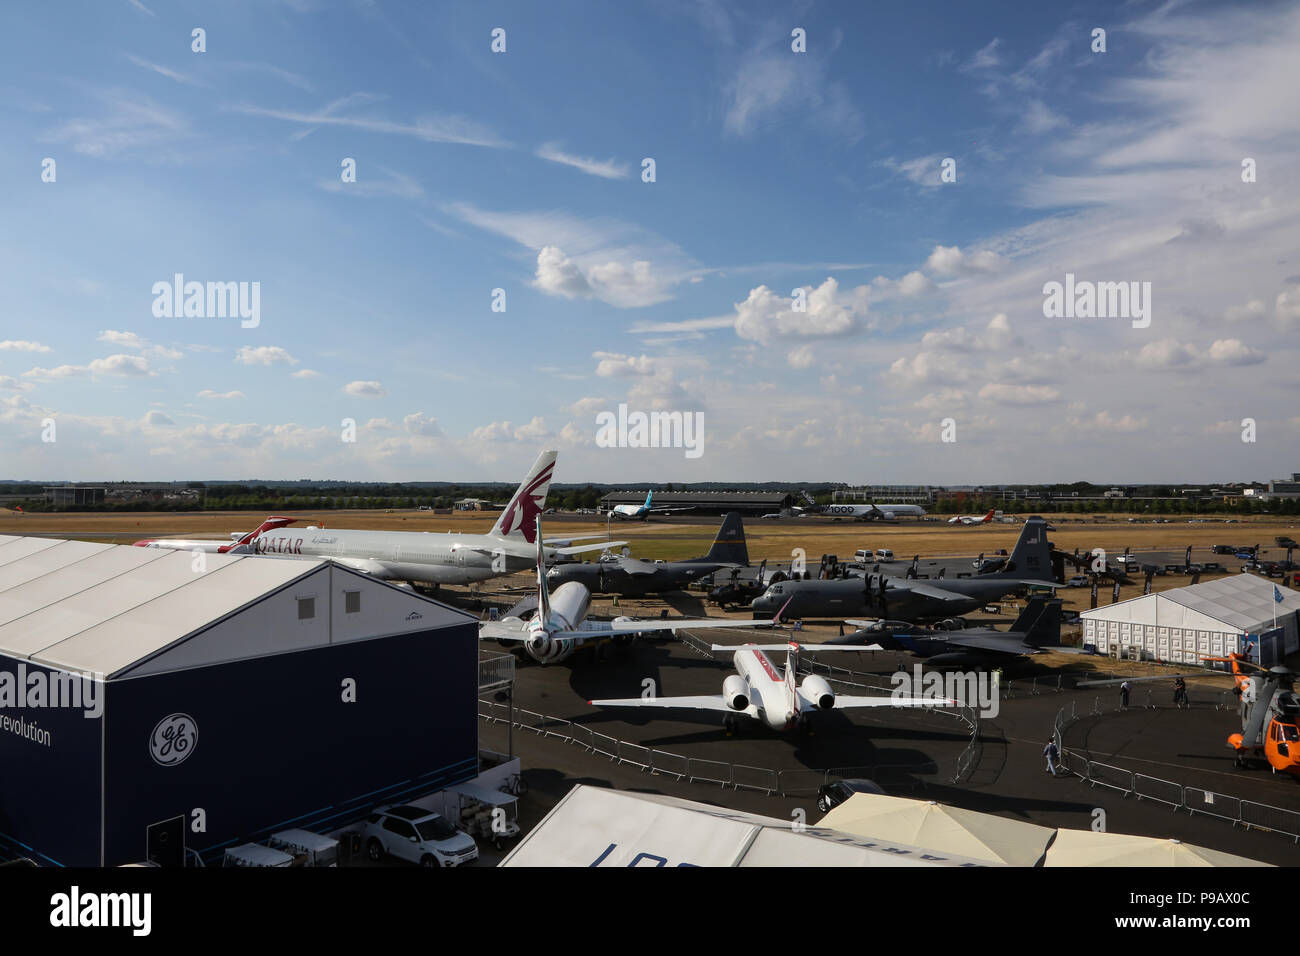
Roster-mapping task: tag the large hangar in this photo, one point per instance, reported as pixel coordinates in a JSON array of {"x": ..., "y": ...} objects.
[
  {"x": 243, "y": 694},
  {"x": 1211, "y": 619}
]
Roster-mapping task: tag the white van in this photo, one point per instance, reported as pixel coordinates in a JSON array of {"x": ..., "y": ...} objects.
[
  {"x": 862, "y": 556},
  {"x": 884, "y": 555}
]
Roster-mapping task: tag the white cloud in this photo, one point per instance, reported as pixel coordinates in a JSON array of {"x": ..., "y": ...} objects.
[
  {"x": 560, "y": 275},
  {"x": 124, "y": 365},
  {"x": 765, "y": 316},
  {"x": 771, "y": 87},
  {"x": 1253, "y": 309},
  {"x": 209, "y": 393},
  {"x": 365, "y": 390},
  {"x": 800, "y": 358},
  {"x": 305, "y": 373},
  {"x": 155, "y": 417},
  {"x": 617, "y": 365},
  {"x": 1287, "y": 308},
  {"x": 417, "y": 423},
  {"x": 264, "y": 355},
  {"x": 950, "y": 260},
  {"x": 606, "y": 169},
  {"x": 19, "y": 345},
  {"x": 1002, "y": 394},
  {"x": 913, "y": 284}
]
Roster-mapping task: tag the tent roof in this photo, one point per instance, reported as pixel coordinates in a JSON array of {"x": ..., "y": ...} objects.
[
  {"x": 1244, "y": 602},
  {"x": 595, "y": 826}
]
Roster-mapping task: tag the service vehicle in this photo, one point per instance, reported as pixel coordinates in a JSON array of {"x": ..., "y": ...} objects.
[{"x": 418, "y": 835}]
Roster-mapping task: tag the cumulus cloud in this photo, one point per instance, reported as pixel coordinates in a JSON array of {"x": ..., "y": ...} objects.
[
  {"x": 913, "y": 284},
  {"x": 417, "y": 423},
  {"x": 124, "y": 365},
  {"x": 765, "y": 316},
  {"x": 950, "y": 260},
  {"x": 1253, "y": 309},
  {"x": 1172, "y": 354},
  {"x": 155, "y": 417},
  {"x": 209, "y": 393},
  {"x": 305, "y": 373},
  {"x": 365, "y": 390},
  {"x": 1003, "y": 394},
  {"x": 264, "y": 355},
  {"x": 617, "y": 365},
  {"x": 19, "y": 345}
]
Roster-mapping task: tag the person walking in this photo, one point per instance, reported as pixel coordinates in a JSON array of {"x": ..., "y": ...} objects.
[
  {"x": 1124, "y": 689},
  {"x": 1051, "y": 753},
  {"x": 1180, "y": 693}
]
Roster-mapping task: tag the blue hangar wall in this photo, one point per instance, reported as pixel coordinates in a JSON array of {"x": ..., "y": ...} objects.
[
  {"x": 267, "y": 743},
  {"x": 49, "y": 772},
  {"x": 276, "y": 745}
]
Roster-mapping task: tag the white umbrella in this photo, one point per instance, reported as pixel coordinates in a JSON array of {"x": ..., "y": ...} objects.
[
  {"x": 1086, "y": 848},
  {"x": 934, "y": 826}
]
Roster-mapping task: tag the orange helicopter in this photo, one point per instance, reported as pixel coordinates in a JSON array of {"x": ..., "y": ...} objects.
[{"x": 1270, "y": 715}]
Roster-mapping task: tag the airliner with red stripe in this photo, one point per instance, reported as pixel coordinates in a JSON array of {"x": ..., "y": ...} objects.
[
  {"x": 420, "y": 557},
  {"x": 777, "y": 698}
]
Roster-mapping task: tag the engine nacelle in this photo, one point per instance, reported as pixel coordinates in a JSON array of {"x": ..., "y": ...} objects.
[
  {"x": 624, "y": 639},
  {"x": 735, "y": 692},
  {"x": 818, "y": 691}
]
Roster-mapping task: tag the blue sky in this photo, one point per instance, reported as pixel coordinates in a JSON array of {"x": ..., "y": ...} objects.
[{"x": 775, "y": 171}]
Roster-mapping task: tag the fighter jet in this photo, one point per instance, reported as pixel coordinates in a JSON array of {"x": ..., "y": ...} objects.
[
  {"x": 877, "y": 595},
  {"x": 630, "y": 576},
  {"x": 1037, "y": 627}
]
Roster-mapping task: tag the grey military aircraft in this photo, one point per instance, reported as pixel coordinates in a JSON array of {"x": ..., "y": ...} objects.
[
  {"x": 881, "y": 596},
  {"x": 631, "y": 576},
  {"x": 1036, "y": 628}
]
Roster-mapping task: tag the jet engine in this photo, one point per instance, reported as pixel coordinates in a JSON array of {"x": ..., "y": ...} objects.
[
  {"x": 816, "y": 689},
  {"x": 735, "y": 692},
  {"x": 624, "y": 639}
]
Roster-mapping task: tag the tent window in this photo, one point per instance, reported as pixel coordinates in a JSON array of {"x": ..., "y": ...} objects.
[
  {"x": 306, "y": 608},
  {"x": 351, "y": 602}
]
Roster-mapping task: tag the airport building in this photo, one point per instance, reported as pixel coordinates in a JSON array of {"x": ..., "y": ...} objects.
[
  {"x": 147, "y": 693},
  {"x": 1211, "y": 619}
]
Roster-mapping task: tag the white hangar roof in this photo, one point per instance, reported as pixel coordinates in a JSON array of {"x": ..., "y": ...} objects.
[
  {"x": 1243, "y": 602},
  {"x": 107, "y": 609}
]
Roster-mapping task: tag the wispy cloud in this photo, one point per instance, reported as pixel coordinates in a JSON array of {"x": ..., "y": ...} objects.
[
  {"x": 430, "y": 129},
  {"x": 606, "y": 169}
]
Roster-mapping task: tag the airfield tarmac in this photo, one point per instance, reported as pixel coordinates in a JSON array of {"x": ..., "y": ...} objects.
[{"x": 916, "y": 755}]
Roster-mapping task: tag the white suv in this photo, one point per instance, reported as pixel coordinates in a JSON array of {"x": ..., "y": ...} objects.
[{"x": 421, "y": 836}]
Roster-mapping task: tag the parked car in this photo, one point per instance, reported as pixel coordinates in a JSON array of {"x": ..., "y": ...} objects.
[
  {"x": 1078, "y": 581},
  {"x": 831, "y": 795},
  {"x": 418, "y": 835},
  {"x": 1213, "y": 567}
]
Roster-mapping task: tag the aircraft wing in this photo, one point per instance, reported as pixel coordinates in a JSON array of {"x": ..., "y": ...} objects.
[
  {"x": 989, "y": 642},
  {"x": 691, "y": 703},
  {"x": 930, "y": 591},
  {"x": 637, "y": 568},
  {"x": 599, "y": 628},
  {"x": 499, "y": 631},
  {"x": 656, "y": 510},
  {"x": 582, "y": 548},
  {"x": 884, "y": 701},
  {"x": 376, "y": 569}
]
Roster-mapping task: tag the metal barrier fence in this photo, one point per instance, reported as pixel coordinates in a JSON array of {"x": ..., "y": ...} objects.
[
  {"x": 697, "y": 769},
  {"x": 1235, "y": 810}
]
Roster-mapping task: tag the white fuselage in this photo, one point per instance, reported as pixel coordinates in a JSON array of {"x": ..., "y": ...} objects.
[
  {"x": 422, "y": 556},
  {"x": 568, "y": 611},
  {"x": 864, "y": 512},
  {"x": 770, "y": 698}
]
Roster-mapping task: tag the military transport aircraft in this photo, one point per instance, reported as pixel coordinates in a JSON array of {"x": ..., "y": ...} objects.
[
  {"x": 631, "y": 576},
  {"x": 878, "y": 595}
]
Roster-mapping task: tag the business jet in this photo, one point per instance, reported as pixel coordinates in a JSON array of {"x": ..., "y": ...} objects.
[
  {"x": 778, "y": 699},
  {"x": 974, "y": 519},
  {"x": 422, "y": 557},
  {"x": 560, "y": 625}
]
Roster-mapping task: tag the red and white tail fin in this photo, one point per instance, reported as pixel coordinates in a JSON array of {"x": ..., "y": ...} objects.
[
  {"x": 988, "y": 517},
  {"x": 270, "y": 524},
  {"x": 519, "y": 518},
  {"x": 543, "y": 594},
  {"x": 792, "y": 676}
]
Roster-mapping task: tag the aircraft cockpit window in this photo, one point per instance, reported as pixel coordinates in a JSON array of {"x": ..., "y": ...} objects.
[{"x": 1290, "y": 732}]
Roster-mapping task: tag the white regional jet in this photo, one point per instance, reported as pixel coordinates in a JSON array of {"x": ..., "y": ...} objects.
[
  {"x": 975, "y": 519},
  {"x": 777, "y": 699},
  {"x": 419, "y": 556},
  {"x": 560, "y": 625}
]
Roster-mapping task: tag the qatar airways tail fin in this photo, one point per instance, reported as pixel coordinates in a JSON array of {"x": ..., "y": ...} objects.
[
  {"x": 247, "y": 542},
  {"x": 519, "y": 519}
]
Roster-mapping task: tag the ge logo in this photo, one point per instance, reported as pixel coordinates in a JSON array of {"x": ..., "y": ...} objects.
[{"x": 173, "y": 739}]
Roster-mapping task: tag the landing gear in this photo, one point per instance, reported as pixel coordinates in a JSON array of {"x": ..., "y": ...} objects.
[{"x": 730, "y": 724}]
